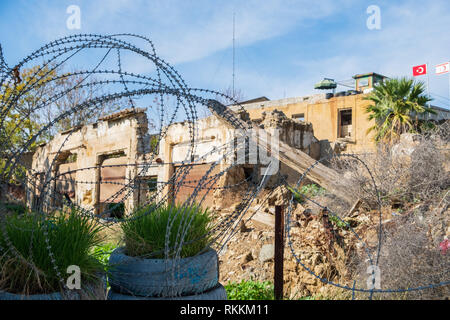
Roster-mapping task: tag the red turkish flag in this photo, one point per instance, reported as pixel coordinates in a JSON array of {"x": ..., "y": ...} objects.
[{"x": 420, "y": 70}]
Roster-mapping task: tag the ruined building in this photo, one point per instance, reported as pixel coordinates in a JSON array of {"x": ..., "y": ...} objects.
[
  {"x": 85, "y": 163},
  {"x": 339, "y": 120},
  {"x": 110, "y": 162}
]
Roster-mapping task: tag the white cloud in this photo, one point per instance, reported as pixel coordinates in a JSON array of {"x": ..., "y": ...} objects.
[{"x": 184, "y": 30}]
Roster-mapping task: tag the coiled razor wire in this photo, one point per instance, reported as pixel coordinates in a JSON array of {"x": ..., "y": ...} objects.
[
  {"x": 125, "y": 87},
  {"x": 324, "y": 280},
  {"x": 60, "y": 52}
]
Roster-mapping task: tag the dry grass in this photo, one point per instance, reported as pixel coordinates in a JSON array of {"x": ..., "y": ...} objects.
[
  {"x": 410, "y": 258},
  {"x": 413, "y": 184},
  {"x": 409, "y": 172}
]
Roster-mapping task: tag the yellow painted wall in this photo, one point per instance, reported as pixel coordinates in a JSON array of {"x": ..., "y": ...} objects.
[{"x": 323, "y": 115}]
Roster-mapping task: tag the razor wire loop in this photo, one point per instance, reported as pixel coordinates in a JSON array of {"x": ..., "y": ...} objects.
[
  {"x": 47, "y": 239},
  {"x": 60, "y": 42},
  {"x": 13, "y": 159},
  {"x": 167, "y": 83},
  {"x": 353, "y": 289}
]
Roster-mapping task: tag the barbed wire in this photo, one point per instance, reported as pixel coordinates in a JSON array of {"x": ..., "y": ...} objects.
[
  {"x": 55, "y": 55},
  {"x": 47, "y": 184},
  {"x": 353, "y": 289}
]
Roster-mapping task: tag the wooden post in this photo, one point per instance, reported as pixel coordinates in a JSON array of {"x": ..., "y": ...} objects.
[{"x": 279, "y": 253}]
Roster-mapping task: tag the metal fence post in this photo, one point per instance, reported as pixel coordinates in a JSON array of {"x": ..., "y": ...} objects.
[{"x": 279, "y": 253}]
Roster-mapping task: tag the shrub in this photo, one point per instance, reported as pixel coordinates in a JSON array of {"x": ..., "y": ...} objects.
[
  {"x": 254, "y": 290},
  {"x": 404, "y": 173},
  {"x": 250, "y": 290},
  {"x": 308, "y": 191},
  {"x": 145, "y": 230},
  {"x": 410, "y": 257},
  {"x": 28, "y": 269},
  {"x": 338, "y": 222},
  {"x": 116, "y": 210},
  {"x": 14, "y": 208},
  {"x": 102, "y": 252}
]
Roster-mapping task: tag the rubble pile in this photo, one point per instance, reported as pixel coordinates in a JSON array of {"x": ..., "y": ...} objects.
[{"x": 316, "y": 242}]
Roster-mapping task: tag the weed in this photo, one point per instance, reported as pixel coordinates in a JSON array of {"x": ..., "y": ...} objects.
[
  {"x": 250, "y": 290},
  {"x": 28, "y": 268},
  {"x": 145, "y": 233},
  {"x": 307, "y": 191}
]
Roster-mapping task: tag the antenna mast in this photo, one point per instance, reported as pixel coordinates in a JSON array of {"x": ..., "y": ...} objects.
[{"x": 234, "y": 38}]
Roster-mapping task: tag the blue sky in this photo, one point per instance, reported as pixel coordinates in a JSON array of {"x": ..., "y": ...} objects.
[{"x": 283, "y": 46}]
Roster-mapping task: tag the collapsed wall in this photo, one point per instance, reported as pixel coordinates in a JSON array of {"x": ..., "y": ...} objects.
[
  {"x": 92, "y": 164},
  {"x": 298, "y": 135},
  {"x": 209, "y": 156}
]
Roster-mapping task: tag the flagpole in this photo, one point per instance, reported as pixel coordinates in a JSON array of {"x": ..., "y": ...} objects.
[
  {"x": 428, "y": 89},
  {"x": 428, "y": 84},
  {"x": 449, "y": 87}
]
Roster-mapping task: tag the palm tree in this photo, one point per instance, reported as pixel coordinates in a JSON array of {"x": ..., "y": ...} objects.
[{"x": 396, "y": 101}]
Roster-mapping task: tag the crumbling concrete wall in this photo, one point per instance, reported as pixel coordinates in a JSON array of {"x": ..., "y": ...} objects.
[
  {"x": 123, "y": 135},
  {"x": 296, "y": 134},
  {"x": 178, "y": 152},
  {"x": 212, "y": 134},
  {"x": 109, "y": 152}
]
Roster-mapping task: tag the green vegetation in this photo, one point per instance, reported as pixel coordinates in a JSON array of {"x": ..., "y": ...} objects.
[
  {"x": 152, "y": 184},
  {"x": 307, "y": 298},
  {"x": 27, "y": 99},
  {"x": 19, "y": 126},
  {"x": 154, "y": 143},
  {"x": 116, "y": 210},
  {"x": 103, "y": 251},
  {"x": 145, "y": 231},
  {"x": 14, "y": 208},
  {"x": 395, "y": 102},
  {"x": 311, "y": 191},
  {"x": 24, "y": 114},
  {"x": 29, "y": 270},
  {"x": 308, "y": 191},
  {"x": 338, "y": 222},
  {"x": 250, "y": 290}
]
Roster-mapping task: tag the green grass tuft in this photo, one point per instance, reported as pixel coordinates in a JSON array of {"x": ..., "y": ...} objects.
[
  {"x": 31, "y": 271},
  {"x": 103, "y": 252},
  {"x": 250, "y": 290},
  {"x": 308, "y": 191},
  {"x": 14, "y": 208},
  {"x": 145, "y": 232},
  {"x": 254, "y": 290}
]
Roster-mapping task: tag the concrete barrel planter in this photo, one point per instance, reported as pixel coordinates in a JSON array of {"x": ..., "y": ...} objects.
[{"x": 153, "y": 278}]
